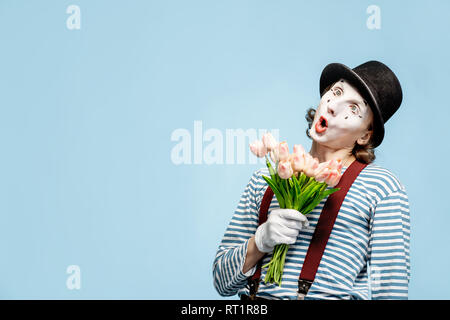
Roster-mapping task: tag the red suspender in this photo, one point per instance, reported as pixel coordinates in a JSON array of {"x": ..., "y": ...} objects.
[
  {"x": 263, "y": 210},
  {"x": 321, "y": 234}
]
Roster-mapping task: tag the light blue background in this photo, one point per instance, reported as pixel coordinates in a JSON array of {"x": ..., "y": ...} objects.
[{"x": 87, "y": 115}]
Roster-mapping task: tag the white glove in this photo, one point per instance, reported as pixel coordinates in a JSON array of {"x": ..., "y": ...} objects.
[{"x": 282, "y": 226}]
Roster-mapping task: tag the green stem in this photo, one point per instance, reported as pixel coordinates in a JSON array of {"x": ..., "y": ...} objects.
[{"x": 271, "y": 170}]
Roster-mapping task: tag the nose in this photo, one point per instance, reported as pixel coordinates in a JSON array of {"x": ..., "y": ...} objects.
[{"x": 330, "y": 109}]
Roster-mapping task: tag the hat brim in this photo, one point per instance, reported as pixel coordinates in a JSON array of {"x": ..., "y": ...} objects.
[{"x": 335, "y": 71}]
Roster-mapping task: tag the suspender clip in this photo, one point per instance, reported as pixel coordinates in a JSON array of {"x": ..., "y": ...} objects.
[
  {"x": 303, "y": 287},
  {"x": 253, "y": 288}
]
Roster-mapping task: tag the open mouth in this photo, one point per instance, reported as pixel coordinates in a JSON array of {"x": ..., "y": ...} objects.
[{"x": 321, "y": 124}]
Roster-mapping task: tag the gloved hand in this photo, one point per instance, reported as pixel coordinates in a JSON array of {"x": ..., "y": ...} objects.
[{"x": 282, "y": 226}]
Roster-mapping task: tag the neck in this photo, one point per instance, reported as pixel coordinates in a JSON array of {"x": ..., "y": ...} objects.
[{"x": 324, "y": 153}]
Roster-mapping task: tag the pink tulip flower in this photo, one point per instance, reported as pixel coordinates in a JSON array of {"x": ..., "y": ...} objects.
[
  {"x": 283, "y": 151},
  {"x": 258, "y": 148},
  {"x": 335, "y": 164},
  {"x": 298, "y": 148},
  {"x": 322, "y": 174},
  {"x": 285, "y": 169},
  {"x": 274, "y": 155},
  {"x": 310, "y": 165},
  {"x": 269, "y": 141},
  {"x": 339, "y": 164},
  {"x": 329, "y": 172},
  {"x": 298, "y": 158},
  {"x": 298, "y": 162},
  {"x": 333, "y": 178}
]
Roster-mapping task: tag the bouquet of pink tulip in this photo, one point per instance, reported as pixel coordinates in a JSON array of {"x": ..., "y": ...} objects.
[{"x": 298, "y": 181}]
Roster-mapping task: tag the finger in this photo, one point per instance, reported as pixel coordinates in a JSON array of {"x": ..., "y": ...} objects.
[
  {"x": 292, "y": 224},
  {"x": 288, "y": 232},
  {"x": 306, "y": 222},
  {"x": 288, "y": 240},
  {"x": 292, "y": 214}
]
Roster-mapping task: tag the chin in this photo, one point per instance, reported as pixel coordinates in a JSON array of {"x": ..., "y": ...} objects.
[
  {"x": 329, "y": 143},
  {"x": 318, "y": 138}
]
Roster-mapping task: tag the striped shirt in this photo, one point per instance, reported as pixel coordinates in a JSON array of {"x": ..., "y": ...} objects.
[{"x": 371, "y": 233}]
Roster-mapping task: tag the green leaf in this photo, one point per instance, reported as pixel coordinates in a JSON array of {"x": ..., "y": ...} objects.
[
  {"x": 297, "y": 183},
  {"x": 296, "y": 193},
  {"x": 312, "y": 205},
  {"x": 319, "y": 197},
  {"x": 307, "y": 188},
  {"x": 283, "y": 186},
  {"x": 276, "y": 191},
  {"x": 310, "y": 195},
  {"x": 302, "y": 179},
  {"x": 328, "y": 192},
  {"x": 292, "y": 190},
  {"x": 303, "y": 195},
  {"x": 315, "y": 189},
  {"x": 287, "y": 200},
  {"x": 294, "y": 178},
  {"x": 271, "y": 171},
  {"x": 310, "y": 181},
  {"x": 317, "y": 192}
]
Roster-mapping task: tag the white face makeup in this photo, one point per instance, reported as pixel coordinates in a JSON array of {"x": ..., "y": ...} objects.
[{"x": 342, "y": 117}]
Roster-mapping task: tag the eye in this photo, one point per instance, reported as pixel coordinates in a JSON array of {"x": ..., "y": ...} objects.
[
  {"x": 337, "y": 91},
  {"x": 354, "y": 108}
]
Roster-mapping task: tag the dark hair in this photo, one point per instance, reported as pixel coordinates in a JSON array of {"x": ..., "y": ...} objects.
[{"x": 363, "y": 153}]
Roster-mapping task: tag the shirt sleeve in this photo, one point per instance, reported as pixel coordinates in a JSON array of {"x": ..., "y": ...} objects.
[
  {"x": 230, "y": 256},
  {"x": 389, "y": 247}
]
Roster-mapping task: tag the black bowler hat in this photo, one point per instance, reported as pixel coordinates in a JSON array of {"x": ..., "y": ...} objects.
[{"x": 376, "y": 83}]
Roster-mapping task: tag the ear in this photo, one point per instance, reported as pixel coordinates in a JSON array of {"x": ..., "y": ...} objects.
[{"x": 365, "y": 138}]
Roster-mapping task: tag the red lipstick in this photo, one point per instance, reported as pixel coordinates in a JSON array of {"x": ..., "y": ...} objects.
[{"x": 321, "y": 124}]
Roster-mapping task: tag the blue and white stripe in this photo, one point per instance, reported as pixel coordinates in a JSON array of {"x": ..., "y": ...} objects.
[{"x": 372, "y": 228}]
